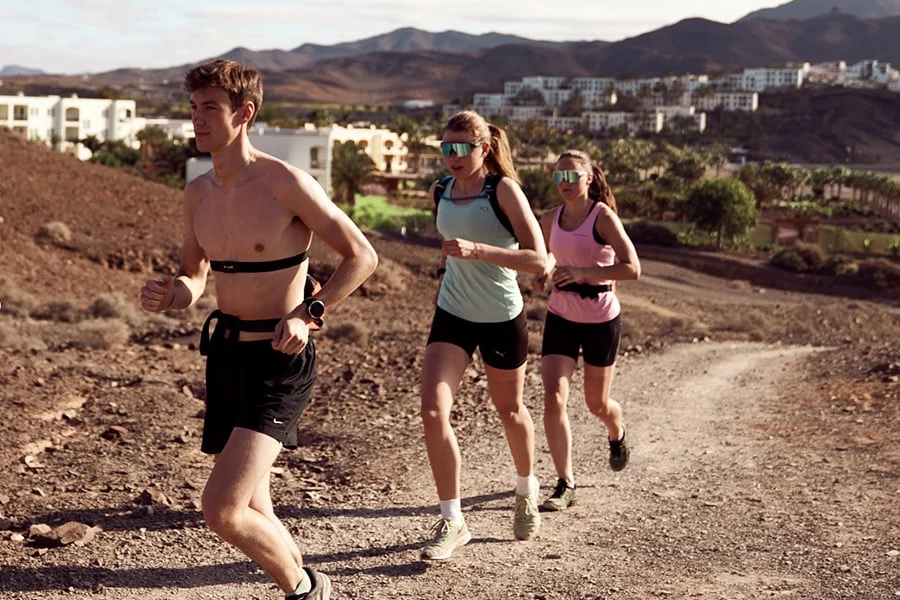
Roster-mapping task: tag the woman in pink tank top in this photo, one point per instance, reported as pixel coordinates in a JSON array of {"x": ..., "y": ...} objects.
[{"x": 588, "y": 252}]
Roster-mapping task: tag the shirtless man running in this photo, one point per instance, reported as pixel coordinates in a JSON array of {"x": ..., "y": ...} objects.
[{"x": 252, "y": 219}]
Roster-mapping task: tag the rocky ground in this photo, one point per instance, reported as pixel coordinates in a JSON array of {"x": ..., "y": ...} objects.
[{"x": 764, "y": 421}]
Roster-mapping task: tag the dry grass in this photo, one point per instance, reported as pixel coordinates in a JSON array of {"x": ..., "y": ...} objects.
[
  {"x": 12, "y": 338},
  {"x": 56, "y": 232},
  {"x": 347, "y": 332},
  {"x": 112, "y": 306},
  {"x": 101, "y": 334},
  {"x": 59, "y": 311},
  {"x": 15, "y": 301}
]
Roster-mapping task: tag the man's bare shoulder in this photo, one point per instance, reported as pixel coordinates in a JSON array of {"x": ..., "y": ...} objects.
[
  {"x": 197, "y": 187},
  {"x": 284, "y": 176}
]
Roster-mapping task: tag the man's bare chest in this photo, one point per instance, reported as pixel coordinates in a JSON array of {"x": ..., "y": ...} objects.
[{"x": 247, "y": 227}]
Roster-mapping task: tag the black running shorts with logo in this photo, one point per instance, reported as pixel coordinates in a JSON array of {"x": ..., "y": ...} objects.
[
  {"x": 253, "y": 386},
  {"x": 503, "y": 345},
  {"x": 599, "y": 342}
]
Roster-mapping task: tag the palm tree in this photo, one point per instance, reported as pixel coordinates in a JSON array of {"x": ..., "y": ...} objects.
[
  {"x": 351, "y": 168},
  {"x": 838, "y": 177},
  {"x": 819, "y": 179}
]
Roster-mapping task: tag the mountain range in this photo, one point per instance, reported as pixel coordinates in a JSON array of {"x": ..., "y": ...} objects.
[
  {"x": 410, "y": 63},
  {"x": 807, "y": 9}
]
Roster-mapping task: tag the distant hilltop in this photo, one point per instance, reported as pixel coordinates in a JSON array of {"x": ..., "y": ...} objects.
[
  {"x": 809, "y": 9},
  {"x": 10, "y": 70}
]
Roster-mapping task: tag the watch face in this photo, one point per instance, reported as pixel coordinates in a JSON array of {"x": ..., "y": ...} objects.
[{"x": 316, "y": 309}]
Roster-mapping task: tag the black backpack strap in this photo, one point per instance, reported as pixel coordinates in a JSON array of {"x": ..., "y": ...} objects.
[
  {"x": 439, "y": 188},
  {"x": 490, "y": 186}
]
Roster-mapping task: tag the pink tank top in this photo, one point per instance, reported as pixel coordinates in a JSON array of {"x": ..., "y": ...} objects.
[{"x": 579, "y": 248}]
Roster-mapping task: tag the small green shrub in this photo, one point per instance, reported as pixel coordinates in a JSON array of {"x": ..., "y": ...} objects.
[
  {"x": 879, "y": 272},
  {"x": 811, "y": 254},
  {"x": 789, "y": 260},
  {"x": 850, "y": 269},
  {"x": 642, "y": 232},
  {"x": 836, "y": 264}
]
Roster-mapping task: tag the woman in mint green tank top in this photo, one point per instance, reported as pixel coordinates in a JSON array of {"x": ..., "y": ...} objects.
[{"x": 479, "y": 306}]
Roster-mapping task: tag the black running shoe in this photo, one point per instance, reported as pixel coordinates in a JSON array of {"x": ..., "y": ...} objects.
[
  {"x": 563, "y": 497},
  {"x": 618, "y": 453}
]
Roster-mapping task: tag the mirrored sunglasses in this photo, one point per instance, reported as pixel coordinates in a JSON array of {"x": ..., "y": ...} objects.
[
  {"x": 567, "y": 176},
  {"x": 460, "y": 149}
]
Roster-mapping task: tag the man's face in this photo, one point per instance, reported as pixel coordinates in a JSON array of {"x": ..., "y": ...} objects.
[{"x": 216, "y": 124}]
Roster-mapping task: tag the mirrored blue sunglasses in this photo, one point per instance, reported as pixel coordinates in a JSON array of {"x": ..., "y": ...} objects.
[
  {"x": 460, "y": 149},
  {"x": 567, "y": 176}
]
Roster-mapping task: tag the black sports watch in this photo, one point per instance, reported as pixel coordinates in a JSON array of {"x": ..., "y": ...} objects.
[{"x": 316, "y": 309}]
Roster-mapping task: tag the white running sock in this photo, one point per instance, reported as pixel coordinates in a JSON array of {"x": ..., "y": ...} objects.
[
  {"x": 527, "y": 485},
  {"x": 452, "y": 509},
  {"x": 305, "y": 584}
]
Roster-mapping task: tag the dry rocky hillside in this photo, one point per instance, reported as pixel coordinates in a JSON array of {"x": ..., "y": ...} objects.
[{"x": 763, "y": 415}]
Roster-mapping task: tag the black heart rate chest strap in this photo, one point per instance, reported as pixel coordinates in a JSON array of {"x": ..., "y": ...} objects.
[{"x": 264, "y": 266}]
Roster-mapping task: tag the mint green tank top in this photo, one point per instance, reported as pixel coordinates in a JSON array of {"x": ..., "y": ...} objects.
[{"x": 475, "y": 290}]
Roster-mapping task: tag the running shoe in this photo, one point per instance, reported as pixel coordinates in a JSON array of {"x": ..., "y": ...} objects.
[
  {"x": 321, "y": 587},
  {"x": 447, "y": 536},
  {"x": 618, "y": 453},
  {"x": 563, "y": 497},
  {"x": 527, "y": 519}
]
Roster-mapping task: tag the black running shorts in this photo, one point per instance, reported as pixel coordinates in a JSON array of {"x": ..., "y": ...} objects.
[
  {"x": 503, "y": 345},
  {"x": 252, "y": 385},
  {"x": 599, "y": 342}
]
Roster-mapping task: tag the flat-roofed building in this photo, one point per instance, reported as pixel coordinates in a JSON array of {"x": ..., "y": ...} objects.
[
  {"x": 62, "y": 122},
  {"x": 310, "y": 149}
]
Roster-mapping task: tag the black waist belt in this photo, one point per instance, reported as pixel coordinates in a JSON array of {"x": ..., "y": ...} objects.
[
  {"x": 229, "y": 328},
  {"x": 586, "y": 290},
  {"x": 242, "y": 266}
]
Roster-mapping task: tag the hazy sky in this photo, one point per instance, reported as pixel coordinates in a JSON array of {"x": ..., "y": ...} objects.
[{"x": 91, "y": 36}]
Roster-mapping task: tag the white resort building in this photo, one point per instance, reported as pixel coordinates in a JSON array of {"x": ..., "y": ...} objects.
[
  {"x": 62, "y": 122},
  {"x": 310, "y": 149}
]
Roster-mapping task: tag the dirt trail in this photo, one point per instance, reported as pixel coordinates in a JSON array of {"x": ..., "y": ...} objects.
[
  {"x": 700, "y": 471},
  {"x": 764, "y": 466}
]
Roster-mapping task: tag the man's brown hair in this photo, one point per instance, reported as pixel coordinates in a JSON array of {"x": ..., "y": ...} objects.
[{"x": 242, "y": 83}]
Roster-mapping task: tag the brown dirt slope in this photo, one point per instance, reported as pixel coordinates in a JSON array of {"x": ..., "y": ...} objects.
[
  {"x": 763, "y": 421},
  {"x": 114, "y": 219}
]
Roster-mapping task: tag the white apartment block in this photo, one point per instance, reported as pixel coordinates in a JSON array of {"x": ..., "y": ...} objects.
[
  {"x": 564, "y": 123},
  {"x": 729, "y": 101},
  {"x": 175, "y": 129},
  {"x": 855, "y": 75},
  {"x": 758, "y": 80},
  {"x": 66, "y": 121},
  {"x": 687, "y": 113},
  {"x": 593, "y": 84},
  {"x": 633, "y": 121},
  {"x": 873, "y": 70},
  {"x": 310, "y": 149},
  {"x": 488, "y": 104},
  {"x": 518, "y": 113}
]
